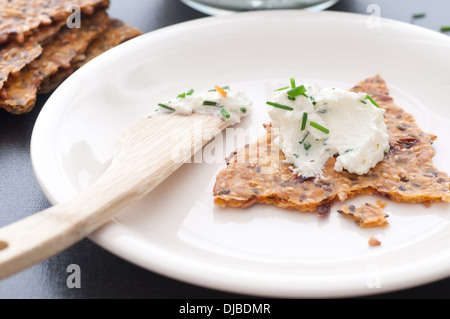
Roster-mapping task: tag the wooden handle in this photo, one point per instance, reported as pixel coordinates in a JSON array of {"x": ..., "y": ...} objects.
[
  {"x": 46, "y": 233},
  {"x": 144, "y": 158}
]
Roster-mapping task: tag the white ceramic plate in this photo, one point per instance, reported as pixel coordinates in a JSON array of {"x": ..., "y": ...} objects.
[{"x": 265, "y": 251}]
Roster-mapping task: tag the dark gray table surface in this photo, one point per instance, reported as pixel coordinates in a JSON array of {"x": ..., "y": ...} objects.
[{"x": 104, "y": 275}]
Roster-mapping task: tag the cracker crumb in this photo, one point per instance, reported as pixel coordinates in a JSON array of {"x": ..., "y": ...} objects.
[
  {"x": 367, "y": 215},
  {"x": 374, "y": 242}
]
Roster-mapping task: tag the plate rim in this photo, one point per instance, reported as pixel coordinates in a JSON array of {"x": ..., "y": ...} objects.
[{"x": 241, "y": 289}]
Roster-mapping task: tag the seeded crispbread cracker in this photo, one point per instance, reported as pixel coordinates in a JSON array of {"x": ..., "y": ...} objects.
[
  {"x": 116, "y": 33},
  {"x": 15, "y": 56},
  {"x": 18, "y": 94},
  {"x": 19, "y": 17},
  {"x": 258, "y": 174}
]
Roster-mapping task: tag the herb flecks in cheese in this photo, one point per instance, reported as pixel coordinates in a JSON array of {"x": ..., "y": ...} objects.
[
  {"x": 220, "y": 101},
  {"x": 318, "y": 123}
]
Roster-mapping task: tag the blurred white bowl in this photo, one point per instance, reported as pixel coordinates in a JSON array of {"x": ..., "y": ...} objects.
[{"x": 224, "y": 7}]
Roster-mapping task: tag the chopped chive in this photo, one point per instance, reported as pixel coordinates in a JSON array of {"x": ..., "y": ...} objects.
[
  {"x": 348, "y": 150},
  {"x": 304, "y": 138},
  {"x": 363, "y": 102},
  {"x": 304, "y": 120},
  {"x": 280, "y": 106},
  {"x": 445, "y": 28},
  {"x": 292, "y": 83},
  {"x": 211, "y": 103},
  {"x": 166, "y": 107},
  {"x": 225, "y": 113},
  {"x": 281, "y": 89},
  {"x": 243, "y": 110},
  {"x": 296, "y": 91},
  {"x": 190, "y": 92},
  {"x": 371, "y": 100},
  {"x": 319, "y": 127},
  {"x": 181, "y": 96},
  {"x": 418, "y": 15},
  {"x": 307, "y": 146},
  {"x": 313, "y": 100},
  {"x": 296, "y": 155},
  {"x": 323, "y": 111}
]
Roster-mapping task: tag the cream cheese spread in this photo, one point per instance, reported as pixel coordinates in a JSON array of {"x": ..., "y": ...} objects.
[
  {"x": 230, "y": 106},
  {"x": 318, "y": 123}
]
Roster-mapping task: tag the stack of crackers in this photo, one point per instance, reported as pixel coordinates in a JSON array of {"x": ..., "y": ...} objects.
[{"x": 43, "y": 41}]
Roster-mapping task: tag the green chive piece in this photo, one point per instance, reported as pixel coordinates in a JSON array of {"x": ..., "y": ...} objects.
[
  {"x": 319, "y": 127},
  {"x": 296, "y": 91},
  {"x": 210, "y": 103},
  {"x": 371, "y": 100},
  {"x": 296, "y": 155},
  {"x": 166, "y": 107},
  {"x": 281, "y": 89},
  {"x": 181, "y": 96},
  {"x": 307, "y": 146},
  {"x": 304, "y": 120},
  {"x": 190, "y": 92},
  {"x": 225, "y": 113},
  {"x": 243, "y": 110},
  {"x": 348, "y": 150},
  {"x": 292, "y": 83},
  {"x": 304, "y": 138},
  {"x": 418, "y": 15},
  {"x": 445, "y": 28},
  {"x": 280, "y": 106}
]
